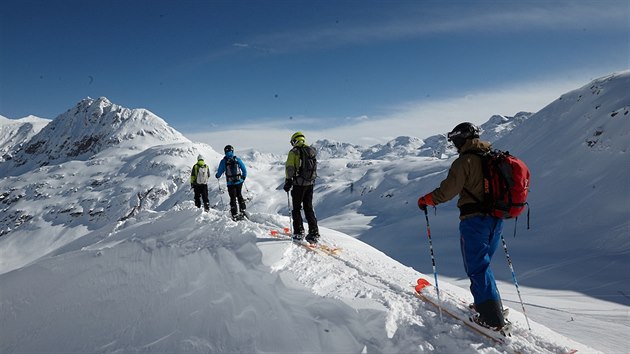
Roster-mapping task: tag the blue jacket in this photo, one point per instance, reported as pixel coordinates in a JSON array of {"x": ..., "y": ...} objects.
[{"x": 222, "y": 169}]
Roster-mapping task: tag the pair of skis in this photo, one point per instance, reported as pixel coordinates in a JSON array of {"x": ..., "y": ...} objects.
[
  {"x": 315, "y": 247},
  {"x": 461, "y": 311}
]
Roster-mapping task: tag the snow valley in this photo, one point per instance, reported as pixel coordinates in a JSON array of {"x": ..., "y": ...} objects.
[{"x": 102, "y": 249}]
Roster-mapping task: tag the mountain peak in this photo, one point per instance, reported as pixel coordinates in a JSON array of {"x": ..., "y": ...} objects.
[{"x": 90, "y": 127}]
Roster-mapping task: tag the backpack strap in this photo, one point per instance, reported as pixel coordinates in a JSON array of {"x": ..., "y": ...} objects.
[{"x": 479, "y": 206}]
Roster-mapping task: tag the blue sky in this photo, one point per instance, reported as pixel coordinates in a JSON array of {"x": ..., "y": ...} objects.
[{"x": 252, "y": 72}]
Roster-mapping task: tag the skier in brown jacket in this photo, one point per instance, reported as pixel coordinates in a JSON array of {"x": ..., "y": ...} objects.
[{"x": 480, "y": 233}]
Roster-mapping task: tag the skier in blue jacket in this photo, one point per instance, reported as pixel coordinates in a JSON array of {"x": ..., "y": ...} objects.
[{"x": 235, "y": 174}]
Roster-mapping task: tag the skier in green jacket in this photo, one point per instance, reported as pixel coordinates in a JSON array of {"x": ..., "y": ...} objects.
[
  {"x": 300, "y": 174},
  {"x": 199, "y": 182}
]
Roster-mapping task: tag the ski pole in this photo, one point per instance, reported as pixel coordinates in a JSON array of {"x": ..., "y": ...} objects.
[
  {"x": 248, "y": 198},
  {"x": 518, "y": 291},
  {"x": 435, "y": 276},
  {"x": 290, "y": 211},
  {"x": 220, "y": 195}
]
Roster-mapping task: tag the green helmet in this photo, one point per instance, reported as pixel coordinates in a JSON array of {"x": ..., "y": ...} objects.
[{"x": 297, "y": 137}]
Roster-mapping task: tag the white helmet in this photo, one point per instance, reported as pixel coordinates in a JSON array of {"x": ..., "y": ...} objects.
[{"x": 199, "y": 157}]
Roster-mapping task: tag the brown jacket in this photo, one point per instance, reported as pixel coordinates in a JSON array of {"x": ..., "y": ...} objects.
[{"x": 465, "y": 172}]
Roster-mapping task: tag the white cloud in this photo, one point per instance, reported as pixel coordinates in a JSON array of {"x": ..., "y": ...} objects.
[{"x": 420, "y": 119}]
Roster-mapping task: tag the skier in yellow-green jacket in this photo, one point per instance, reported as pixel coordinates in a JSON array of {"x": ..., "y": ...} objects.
[
  {"x": 300, "y": 174},
  {"x": 199, "y": 177}
]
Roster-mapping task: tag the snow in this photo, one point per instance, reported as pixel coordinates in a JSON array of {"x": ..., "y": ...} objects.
[
  {"x": 16, "y": 132},
  {"x": 104, "y": 251}
]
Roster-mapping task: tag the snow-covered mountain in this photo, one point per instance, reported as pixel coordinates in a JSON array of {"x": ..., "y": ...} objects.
[
  {"x": 499, "y": 125},
  {"x": 109, "y": 232},
  {"x": 88, "y": 128},
  {"x": 404, "y": 146},
  {"x": 15, "y": 132},
  {"x": 94, "y": 165}
]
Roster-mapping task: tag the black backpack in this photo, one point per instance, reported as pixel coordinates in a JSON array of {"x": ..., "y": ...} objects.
[
  {"x": 232, "y": 169},
  {"x": 308, "y": 163}
]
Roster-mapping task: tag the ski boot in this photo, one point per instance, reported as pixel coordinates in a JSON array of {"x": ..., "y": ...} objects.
[
  {"x": 505, "y": 330},
  {"x": 312, "y": 237},
  {"x": 298, "y": 236}
]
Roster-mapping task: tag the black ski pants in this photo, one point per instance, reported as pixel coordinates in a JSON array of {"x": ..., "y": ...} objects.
[
  {"x": 201, "y": 192},
  {"x": 236, "y": 194},
  {"x": 302, "y": 196}
]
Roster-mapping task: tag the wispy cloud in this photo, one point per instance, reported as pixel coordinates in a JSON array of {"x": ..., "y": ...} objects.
[
  {"x": 420, "y": 118},
  {"x": 419, "y": 21}
]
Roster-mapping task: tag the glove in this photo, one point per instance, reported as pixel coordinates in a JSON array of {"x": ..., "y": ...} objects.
[
  {"x": 424, "y": 201},
  {"x": 287, "y": 185}
]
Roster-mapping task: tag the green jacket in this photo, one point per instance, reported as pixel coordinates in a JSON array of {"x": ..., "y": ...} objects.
[
  {"x": 195, "y": 172},
  {"x": 465, "y": 172},
  {"x": 292, "y": 166}
]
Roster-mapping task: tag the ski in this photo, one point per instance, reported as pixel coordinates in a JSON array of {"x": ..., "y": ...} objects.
[
  {"x": 285, "y": 234},
  {"x": 329, "y": 250},
  {"x": 309, "y": 246},
  {"x": 321, "y": 247},
  {"x": 463, "y": 314},
  {"x": 333, "y": 251}
]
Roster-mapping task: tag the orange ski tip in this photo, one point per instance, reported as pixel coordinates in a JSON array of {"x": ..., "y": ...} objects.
[
  {"x": 422, "y": 283},
  {"x": 286, "y": 230},
  {"x": 274, "y": 232}
]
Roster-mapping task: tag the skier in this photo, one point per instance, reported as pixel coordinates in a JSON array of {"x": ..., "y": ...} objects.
[
  {"x": 235, "y": 174},
  {"x": 199, "y": 177},
  {"x": 300, "y": 173},
  {"x": 480, "y": 233}
]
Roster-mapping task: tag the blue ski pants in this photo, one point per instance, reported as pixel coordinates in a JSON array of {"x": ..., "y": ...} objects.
[{"x": 479, "y": 238}]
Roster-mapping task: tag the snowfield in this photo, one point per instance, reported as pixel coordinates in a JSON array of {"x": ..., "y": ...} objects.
[
  {"x": 187, "y": 281},
  {"x": 103, "y": 251}
]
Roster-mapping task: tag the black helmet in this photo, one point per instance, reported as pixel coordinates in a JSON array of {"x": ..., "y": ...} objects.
[
  {"x": 228, "y": 148},
  {"x": 462, "y": 132}
]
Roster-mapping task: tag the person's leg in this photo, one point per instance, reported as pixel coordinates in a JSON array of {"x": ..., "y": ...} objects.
[
  {"x": 239, "y": 197},
  {"x": 297, "y": 197},
  {"x": 309, "y": 213},
  {"x": 232, "y": 194},
  {"x": 197, "y": 191},
  {"x": 204, "y": 196},
  {"x": 478, "y": 243}
]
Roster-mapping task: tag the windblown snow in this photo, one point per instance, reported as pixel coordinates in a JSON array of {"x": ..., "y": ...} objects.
[{"x": 102, "y": 249}]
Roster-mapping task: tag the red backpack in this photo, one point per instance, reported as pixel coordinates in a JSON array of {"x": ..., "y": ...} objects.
[{"x": 506, "y": 184}]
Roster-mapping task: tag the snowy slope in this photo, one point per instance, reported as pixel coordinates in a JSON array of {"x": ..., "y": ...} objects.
[
  {"x": 187, "y": 281},
  {"x": 111, "y": 233},
  {"x": 15, "y": 132},
  {"x": 579, "y": 148}
]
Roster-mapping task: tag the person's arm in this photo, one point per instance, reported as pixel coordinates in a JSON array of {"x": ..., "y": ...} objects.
[
  {"x": 292, "y": 165},
  {"x": 243, "y": 168},
  {"x": 221, "y": 169}
]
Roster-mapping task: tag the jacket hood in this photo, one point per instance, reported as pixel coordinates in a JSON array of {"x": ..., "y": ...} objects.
[{"x": 475, "y": 145}]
